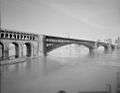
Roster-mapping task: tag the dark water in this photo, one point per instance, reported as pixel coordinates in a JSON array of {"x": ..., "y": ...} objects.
[{"x": 51, "y": 74}]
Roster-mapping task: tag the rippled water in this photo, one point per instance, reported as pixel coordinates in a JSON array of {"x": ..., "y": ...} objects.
[{"x": 72, "y": 74}]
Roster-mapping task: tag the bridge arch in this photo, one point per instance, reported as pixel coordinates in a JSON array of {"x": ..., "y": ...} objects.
[
  {"x": 103, "y": 46},
  {"x": 2, "y": 35},
  {"x": 1, "y": 50},
  {"x": 28, "y": 49},
  {"x": 14, "y": 49},
  {"x": 51, "y": 47},
  {"x": 100, "y": 48},
  {"x": 73, "y": 49}
]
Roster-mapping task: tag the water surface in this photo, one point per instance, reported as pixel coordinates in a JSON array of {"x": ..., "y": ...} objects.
[{"x": 53, "y": 73}]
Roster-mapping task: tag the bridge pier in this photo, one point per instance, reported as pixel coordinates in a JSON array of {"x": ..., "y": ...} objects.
[
  {"x": 21, "y": 50},
  {"x": 40, "y": 45},
  {"x": 5, "y": 51},
  {"x": 108, "y": 49},
  {"x": 92, "y": 51},
  {"x": 44, "y": 46}
]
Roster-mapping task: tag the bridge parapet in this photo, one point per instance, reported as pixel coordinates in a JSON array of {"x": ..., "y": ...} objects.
[{"x": 12, "y": 35}]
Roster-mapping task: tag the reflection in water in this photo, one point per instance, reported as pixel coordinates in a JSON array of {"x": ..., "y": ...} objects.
[
  {"x": 53, "y": 73},
  {"x": 1, "y": 48},
  {"x": 45, "y": 70}
]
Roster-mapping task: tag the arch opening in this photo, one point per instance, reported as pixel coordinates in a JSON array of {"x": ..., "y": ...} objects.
[
  {"x": 70, "y": 50},
  {"x": 1, "y": 51},
  {"x": 83, "y": 50},
  {"x": 13, "y": 50},
  {"x": 100, "y": 49},
  {"x": 2, "y": 35},
  {"x": 27, "y": 49}
]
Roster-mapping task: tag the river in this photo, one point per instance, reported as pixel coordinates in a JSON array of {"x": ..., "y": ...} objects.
[{"x": 71, "y": 73}]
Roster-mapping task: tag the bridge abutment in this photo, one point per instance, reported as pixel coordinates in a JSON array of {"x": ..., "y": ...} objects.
[{"x": 17, "y": 46}]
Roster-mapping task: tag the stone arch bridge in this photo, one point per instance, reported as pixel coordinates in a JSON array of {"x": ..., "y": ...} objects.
[{"x": 29, "y": 45}]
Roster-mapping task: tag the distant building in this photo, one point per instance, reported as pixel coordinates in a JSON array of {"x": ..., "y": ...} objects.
[
  {"x": 109, "y": 41},
  {"x": 117, "y": 42}
]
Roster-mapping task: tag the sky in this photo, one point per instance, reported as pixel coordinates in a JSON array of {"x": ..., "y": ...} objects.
[{"x": 81, "y": 19}]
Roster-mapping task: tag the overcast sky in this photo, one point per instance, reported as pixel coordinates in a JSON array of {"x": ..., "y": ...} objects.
[{"x": 85, "y": 19}]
